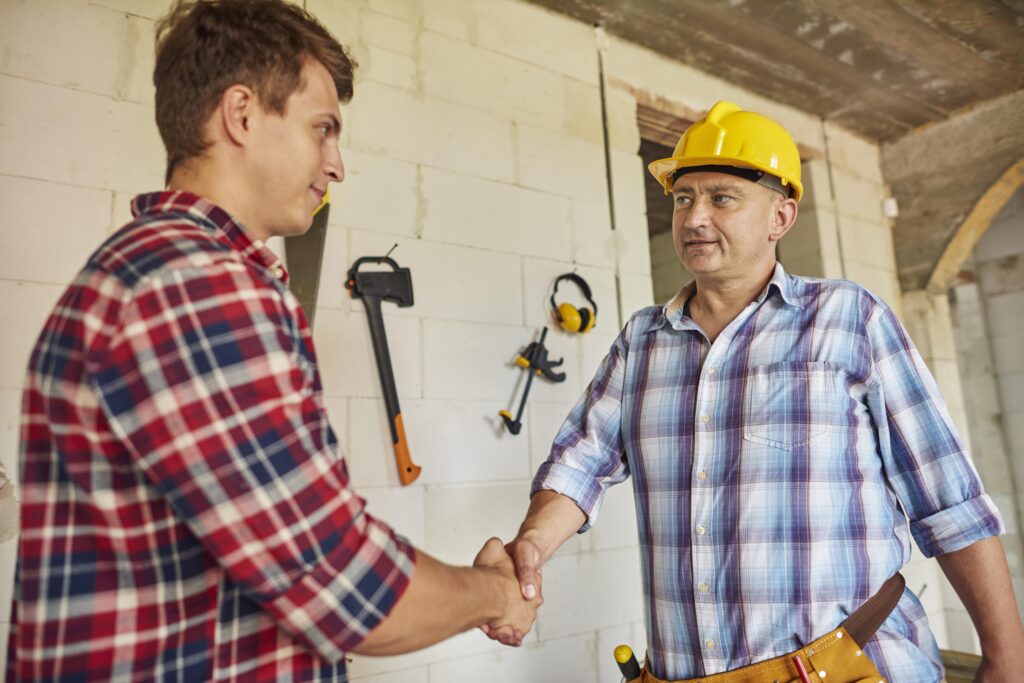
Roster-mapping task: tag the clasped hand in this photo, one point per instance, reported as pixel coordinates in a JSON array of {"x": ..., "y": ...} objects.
[{"x": 518, "y": 565}]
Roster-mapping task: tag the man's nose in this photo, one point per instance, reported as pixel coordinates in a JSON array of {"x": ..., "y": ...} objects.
[
  {"x": 697, "y": 214},
  {"x": 334, "y": 167}
]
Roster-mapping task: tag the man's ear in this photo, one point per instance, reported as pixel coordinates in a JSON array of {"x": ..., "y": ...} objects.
[
  {"x": 784, "y": 211},
  {"x": 235, "y": 111}
]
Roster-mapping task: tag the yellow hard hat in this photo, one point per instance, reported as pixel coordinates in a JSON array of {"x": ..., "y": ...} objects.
[{"x": 730, "y": 136}]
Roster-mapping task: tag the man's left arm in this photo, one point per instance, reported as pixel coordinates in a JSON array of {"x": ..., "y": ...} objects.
[{"x": 981, "y": 577}]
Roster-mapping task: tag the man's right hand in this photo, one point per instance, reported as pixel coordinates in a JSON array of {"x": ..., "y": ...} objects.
[
  {"x": 527, "y": 558},
  {"x": 519, "y": 613}
]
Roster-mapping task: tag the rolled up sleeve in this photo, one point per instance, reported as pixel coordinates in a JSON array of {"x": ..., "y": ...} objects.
[
  {"x": 925, "y": 459},
  {"x": 588, "y": 456}
]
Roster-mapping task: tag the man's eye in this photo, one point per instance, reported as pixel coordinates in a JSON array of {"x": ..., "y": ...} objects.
[
  {"x": 721, "y": 198},
  {"x": 683, "y": 201}
]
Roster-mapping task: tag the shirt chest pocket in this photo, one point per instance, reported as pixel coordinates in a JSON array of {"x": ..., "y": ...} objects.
[{"x": 787, "y": 404}]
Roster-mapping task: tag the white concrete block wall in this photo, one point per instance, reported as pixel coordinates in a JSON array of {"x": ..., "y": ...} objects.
[{"x": 474, "y": 142}]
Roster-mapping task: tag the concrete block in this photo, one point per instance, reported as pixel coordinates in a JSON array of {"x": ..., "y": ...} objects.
[
  {"x": 345, "y": 354},
  {"x": 593, "y": 241},
  {"x": 44, "y": 246},
  {"x": 393, "y": 123},
  {"x": 8, "y": 560},
  {"x": 72, "y": 45},
  {"x": 150, "y": 9},
  {"x": 583, "y": 113},
  {"x": 378, "y": 193},
  {"x": 623, "y": 129},
  {"x": 475, "y": 361},
  {"x": 1011, "y": 390},
  {"x": 342, "y": 19},
  {"x": 86, "y": 133},
  {"x": 120, "y": 211},
  {"x": 857, "y": 197},
  {"x": 521, "y": 31},
  {"x": 24, "y": 308},
  {"x": 566, "y": 659},
  {"x": 961, "y": 633},
  {"x": 453, "y": 441},
  {"x": 853, "y": 154},
  {"x": 594, "y": 348},
  {"x": 390, "y": 68},
  {"x": 408, "y": 10},
  {"x": 1002, "y": 239},
  {"x": 551, "y": 161},
  {"x": 590, "y": 590},
  {"x": 417, "y": 675},
  {"x": 633, "y": 242},
  {"x": 502, "y": 85},
  {"x": 459, "y": 519},
  {"x": 663, "y": 250},
  {"x": 10, "y": 431},
  {"x": 817, "y": 186},
  {"x": 402, "y": 508},
  {"x": 628, "y": 174},
  {"x": 388, "y": 32},
  {"x": 442, "y": 274},
  {"x": 468, "y": 644},
  {"x": 882, "y": 283},
  {"x": 1007, "y": 352},
  {"x": 635, "y": 292},
  {"x": 1006, "y": 313},
  {"x": 867, "y": 243},
  {"x": 461, "y": 209},
  {"x": 1001, "y": 275},
  {"x": 5, "y": 631},
  {"x": 538, "y": 281}
]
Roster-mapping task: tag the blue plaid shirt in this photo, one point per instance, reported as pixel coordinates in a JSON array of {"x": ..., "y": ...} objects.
[{"x": 779, "y": 474}]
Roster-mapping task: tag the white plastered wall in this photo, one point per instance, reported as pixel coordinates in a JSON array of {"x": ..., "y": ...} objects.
[{"x": 475, "y": 143}]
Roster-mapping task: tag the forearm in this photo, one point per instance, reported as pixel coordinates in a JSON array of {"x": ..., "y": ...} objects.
[
  {"x": 981, "y": 577},
  {"x": 439, "y": 602},
  {"x": 551, "y": 520}
]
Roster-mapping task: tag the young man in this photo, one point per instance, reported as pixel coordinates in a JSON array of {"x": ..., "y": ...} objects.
[
  {"x": 186, "y": 513},
  {"x": 776, "y": 429}
]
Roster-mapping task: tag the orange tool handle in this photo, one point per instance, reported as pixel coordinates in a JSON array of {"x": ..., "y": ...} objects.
[{"x": 407, "y": 471}]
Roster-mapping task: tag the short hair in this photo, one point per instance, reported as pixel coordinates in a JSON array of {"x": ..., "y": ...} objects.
[{"x": 204, "y": 47}]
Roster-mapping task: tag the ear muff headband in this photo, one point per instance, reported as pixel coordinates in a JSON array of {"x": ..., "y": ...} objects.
[{"x": 574, "y": 319}]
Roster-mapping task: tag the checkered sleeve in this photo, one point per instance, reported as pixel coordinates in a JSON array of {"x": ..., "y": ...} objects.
[
  {"x": 205, "y": 384},
  {"x": 588, "y": 455},
  {"x": 924, "y": 456}
]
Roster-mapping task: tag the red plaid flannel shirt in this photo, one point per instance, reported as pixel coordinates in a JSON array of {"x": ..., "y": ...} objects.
[{"x": 185, "y": 512}]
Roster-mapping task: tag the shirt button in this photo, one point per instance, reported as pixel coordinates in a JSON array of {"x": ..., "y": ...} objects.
[
  {"x": 710, "y": 644},
  {"x": 700, "y": 530},
  {"x": 711, "y": 371},
  {"x": 705, "y": 418},
  {"x": 702, "y": 475},
  {"x": 703, "y": 587},
  {"x": 279, "y": 272}
]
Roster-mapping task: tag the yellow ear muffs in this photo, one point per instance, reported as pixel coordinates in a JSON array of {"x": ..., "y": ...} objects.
[{"x": 570, "y": 318}]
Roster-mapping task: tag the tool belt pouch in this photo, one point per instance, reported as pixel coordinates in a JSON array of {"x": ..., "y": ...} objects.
[{"x": 836, "y": 657}]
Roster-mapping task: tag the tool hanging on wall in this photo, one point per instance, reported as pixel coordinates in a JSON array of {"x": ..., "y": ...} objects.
[
  {"x": 305, "y": 254},
  {"x": 570, "y": 318},
  {"x": 534, "y": 359},
  {"x": 628, "y": 666},
  {"x": 373, "y": 287}
]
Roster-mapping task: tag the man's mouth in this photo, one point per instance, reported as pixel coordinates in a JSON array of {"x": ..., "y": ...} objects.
[
  {"x": 699, "y": 243},
  {"x": 318, "y": 192}
]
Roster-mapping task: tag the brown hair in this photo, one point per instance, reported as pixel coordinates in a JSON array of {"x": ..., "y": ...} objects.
[{"x": 205, "y": 46}]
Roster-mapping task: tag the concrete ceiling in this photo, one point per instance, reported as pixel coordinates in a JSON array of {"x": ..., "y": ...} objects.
[{"x": 889, "y": 70}]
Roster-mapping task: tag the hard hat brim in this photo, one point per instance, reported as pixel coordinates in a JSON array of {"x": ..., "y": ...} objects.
[{"x": 663, "y": 170}]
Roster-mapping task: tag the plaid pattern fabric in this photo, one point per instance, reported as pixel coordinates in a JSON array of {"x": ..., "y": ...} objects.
[
  {"x": 186, "y": 515},
  {"x": 772, "y": 470}
]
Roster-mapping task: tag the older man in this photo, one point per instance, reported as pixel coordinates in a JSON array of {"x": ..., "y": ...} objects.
[{"x": 785, "y": 442}]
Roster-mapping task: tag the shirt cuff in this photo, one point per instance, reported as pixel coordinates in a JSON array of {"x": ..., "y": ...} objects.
[
  {"x": 958, "y": 527},
  {"x": 576, "y": 484},
  {"x": 335, "y": 605}
]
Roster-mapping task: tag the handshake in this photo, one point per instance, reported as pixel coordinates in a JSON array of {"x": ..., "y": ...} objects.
[{"x": 516, "y": 569}]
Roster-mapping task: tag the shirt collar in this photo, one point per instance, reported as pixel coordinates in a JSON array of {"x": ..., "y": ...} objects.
[
  {"x": 673, "y": 312},
  {"x": 209, "y": 214}
]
